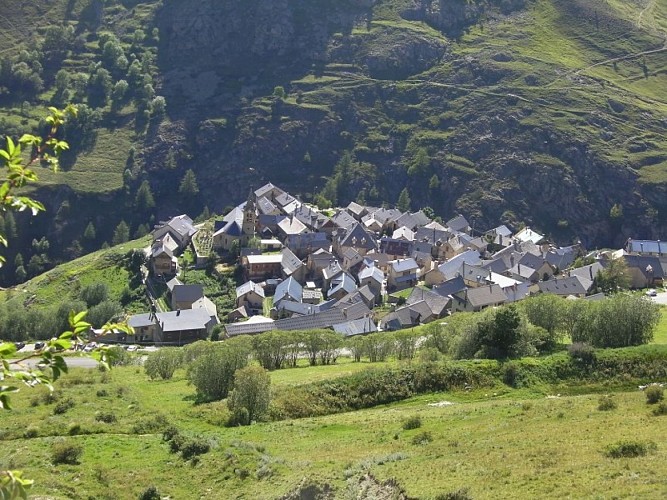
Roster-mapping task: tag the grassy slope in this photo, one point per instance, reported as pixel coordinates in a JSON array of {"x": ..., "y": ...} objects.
[
  {"x": 65, "y": 280},
  {"x": 491, "y": 443}
]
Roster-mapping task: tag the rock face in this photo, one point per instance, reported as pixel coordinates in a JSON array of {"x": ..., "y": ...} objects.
[
  {"x": 383, "y": 88},
  {"x": 205, "y": 43}
]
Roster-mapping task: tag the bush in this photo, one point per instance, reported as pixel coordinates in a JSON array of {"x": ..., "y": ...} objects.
[
  {"x": 151, "y": 425},
  {"x": 661, "y": 409},
  {"x": 107, "y": 418},
  {"x": 74, "y": 429},
  {"x": 66, "y": 453},
  {"x": 422, "y": 438},
  {"x": 32, "y": 431},
  {"x": 50, "y": 398},
  {"x": 150, "y": 493},
  {"x": 630, "y": 449},
  {"x": 252, "y": 393},
  {"x": 414, "y": 422},
  {"x": 163, "y": 363},
  {"x": 63, "y": 406},
  {"x": 606, "y": 403},
  {"x": 170, "y": 433},
  {"x": 102, "y": 393},
  {"x": 119, "y": 356},
  {"x": 582, "y": 352},
  {"x": 213, "y": 373},
  {"x": 194, "y": 447},
  {"x": 654, "y": 394}
]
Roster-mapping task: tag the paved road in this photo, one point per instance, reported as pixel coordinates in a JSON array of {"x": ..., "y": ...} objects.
[
  {"x": 72, "y": 362},
  {"x": 661, "y": 298}
]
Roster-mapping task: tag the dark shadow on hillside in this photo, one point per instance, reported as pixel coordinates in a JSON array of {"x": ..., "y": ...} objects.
[{"x": 214, "y": 54}]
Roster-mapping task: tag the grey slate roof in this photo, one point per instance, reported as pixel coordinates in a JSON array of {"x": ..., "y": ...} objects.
[
  {"x": 482, "y": 296},
  {"x": 357, "y": 327},
  {"x": 290, "y": 262},
  {"x": 186, "y": 319},
  {"x": 343, "y": 219},
  {"x": 646, "y": 246},
  {"x": 371, "y": 272},
  {"x": 356, "y": 236},
  {"x": 403, "y": 265},
  {"x": 458, "y": 223},
  {"x": 247, "y": 287},
  {"x": 141, "y": 320},
  {"x": 290, "y": 289},
  {"x": 436, "y": 302},
  {"x": 563, "y": 286},
  {"x": 642, "y": 262},
  {"x": 450, "y": 268},
  {"x": 343, "y": 282},
  {"x": 172, "y": 283},
  {"x": 187, "y": 293},
  {"x": 450, "y": 287},
  {"x": 324, "y": 319},
  {"x": 562, "y": 258}
]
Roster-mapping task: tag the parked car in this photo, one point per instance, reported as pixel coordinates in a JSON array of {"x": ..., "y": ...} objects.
[
  {"x": 19, "y": 345},
  {"x": 652, "y": 292},
  {"x": 39, "y": 345}
]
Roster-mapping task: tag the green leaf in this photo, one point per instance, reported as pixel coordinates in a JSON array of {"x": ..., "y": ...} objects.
[
  {"x": 74, "y": 319},
  {"x": 7, "y": 349}
]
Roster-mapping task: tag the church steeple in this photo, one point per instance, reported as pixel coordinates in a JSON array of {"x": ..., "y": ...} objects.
[{"x": 250, "y": 216}]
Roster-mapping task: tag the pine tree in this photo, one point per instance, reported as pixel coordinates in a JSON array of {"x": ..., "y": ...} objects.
[
  {"x": 144, "y": 199},
  {"x": 189, "y": 185},
  {"x": 20, "y": 274},
  {"x": 90, "y": 234},
  {"x": 121, "y": 234},
  {"x": 10, "y": 226},
  {"x": 403, "y": 203}
]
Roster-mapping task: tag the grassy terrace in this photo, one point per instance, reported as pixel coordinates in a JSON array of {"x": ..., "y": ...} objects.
[{"x": 491, "y": 441}]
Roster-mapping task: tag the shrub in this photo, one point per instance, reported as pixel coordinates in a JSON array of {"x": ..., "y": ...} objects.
[
  {"x": 414, "y": 422},
  {"x": 163, "y": 363},
  {"x": 63, "y": 406},
  {"x": 582, "y": 352},
  {"x": 64, "y": 452},
  {"x": 74, "y": 429},
  {"x": 176, "y": 443},
  {"x": 170, "y": 433},
  {"x": 107, "y": 418},
  {"x": 32, "y": 431},
  {"x": 50, "y": 398},
  {"x": 194, "y": 447},
  {"x": 102, "y": 393},
  {"x": 422, "y": 438},
  {"x": 119, "y": 356},
  {"x": 606, "y": 403},
  {"x": 654, "y": 394},
  {"x": 661, "y": 409},
  {"x": 460, "y": 494},
  {"x": 213, "y": 373},
  {"x": 150, "y": 493},
  {"x": 629, "y": 449},
  {"x": 252, "y": 393},
  {"x": 151, "y": 425}
]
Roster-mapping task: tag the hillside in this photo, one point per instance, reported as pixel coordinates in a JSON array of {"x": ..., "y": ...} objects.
[{"x": 544, "y": 112}]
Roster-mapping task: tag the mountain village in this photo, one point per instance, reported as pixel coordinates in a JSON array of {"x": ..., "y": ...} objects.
[{"x": 360, "y": 269}]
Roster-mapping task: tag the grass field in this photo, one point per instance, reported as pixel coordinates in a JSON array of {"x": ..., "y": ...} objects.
[
  {"x": 660, "y": 334},
  {"x": 501, "y": 443},
  {"x": 64, "y": 281}
]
